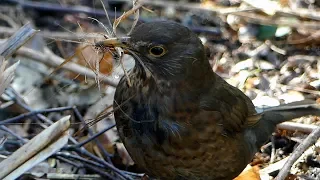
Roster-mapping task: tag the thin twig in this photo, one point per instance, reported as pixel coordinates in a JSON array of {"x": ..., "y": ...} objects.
[
  {"x": 116, "y": 170},
  {"x": 107, "y": 16},
  {"x": 94, "y": 136},
  {"x": 100, "y": 146},
  {"x": 9, "y": 20},
  {"x": 136, "y": 16},
  {"x": 260, "y": 19},
  {"x": 273, "y": 150},
  {"x": 80, "y": 150},
  {"x": 126, "y": 15},
  {"x": 293, "y": 126},
  {"x": 33, "y": 113},
  {"x": 311, "y": 139}
]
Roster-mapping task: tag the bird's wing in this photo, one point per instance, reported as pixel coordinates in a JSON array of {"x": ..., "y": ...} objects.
[{"x": 235, "y": 107}]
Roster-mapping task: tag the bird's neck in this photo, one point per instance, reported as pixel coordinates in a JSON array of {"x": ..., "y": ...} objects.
[
  {"x": 158, "y": 101},
  {"x": 194, "y": 81}
]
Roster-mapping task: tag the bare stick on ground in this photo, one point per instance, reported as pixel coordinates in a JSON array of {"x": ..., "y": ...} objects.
[
  {"x": 311, "y": 139},
  {"x": 16, "y": 40}
]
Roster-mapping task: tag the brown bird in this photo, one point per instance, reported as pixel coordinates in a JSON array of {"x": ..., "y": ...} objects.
[{"x": 180, "y": 120}]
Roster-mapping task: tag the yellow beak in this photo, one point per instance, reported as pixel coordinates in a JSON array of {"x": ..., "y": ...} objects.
[{"x": 114, "y": 42}]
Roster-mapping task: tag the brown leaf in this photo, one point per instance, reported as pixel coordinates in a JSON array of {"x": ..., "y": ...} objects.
[{"x": 250, "y": 173}]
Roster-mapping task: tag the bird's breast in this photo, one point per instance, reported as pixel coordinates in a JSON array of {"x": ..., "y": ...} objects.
[{"x": 167, "y": 134}]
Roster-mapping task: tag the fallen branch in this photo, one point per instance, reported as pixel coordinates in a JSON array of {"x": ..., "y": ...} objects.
[
  {"x": 40, "y": 156},
  {"x": 34, "y": 146},
  {"x": 16, "y": 41},
  {"x": 7, "y": 48}
]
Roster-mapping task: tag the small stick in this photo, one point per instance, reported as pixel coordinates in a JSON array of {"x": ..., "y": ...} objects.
[
  {"x": 273, "y": 150},
  {"x": 293, "y": 126},
  {"x": 311, "y": 139},
  {"x": 17, "y": 40},
  {"x": 33, "y": 146},
  {"x": 3, "y": 140}
]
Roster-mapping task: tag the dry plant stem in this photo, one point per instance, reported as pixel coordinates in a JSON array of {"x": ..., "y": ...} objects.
[
  {"x": 7, "y": 48},
  {"x": 97, "y": 63},
  {"x": 275, "y": 48},
  {"x": 302, "y": 90},
  {"x": 40, "y": 156},
  {"x": 102, "y": 173},
  {"x": 311, "y": 139},
  {"x": 75, "y": 164},
  {"x": 125, "y": 71},
  {"x": 255, "y": 18},
  {"x": 136, "y": 16},
  {"x": 306, "y": 153},
  {"x": 4, "y": 128},
  {"x": 97, "y": 159},
  {"x": 3, "y": 139},
  {"x": 32, "y": 113},
  {"x": 53, "y": 60},
  {"x": 274, "y": 167},
  {"x": 65, "y": 36},
  {"x": 107, "y": 16},
  {"x": 292, "y": 126},
  {"x": 16, "y": 40},
  {"x": 86, "y": 163},
  {"x": 100, "y": 146},
  {"x": 195, "y": 6},
  {"x": 101, "y": 105},
  {"x": 109, "y": 33},
  {"x": 9, "y": 20},
  {"x": 72, "y": 176},
  {"x": 33, "y": 146},
  {"x": 78, "y": 158},
  {"x": 94, "y": 136},
  {"x": 309, "y": 58},
  {"x": 106, "y": 113},
  {"x": 135, "y": 11},
  {"x": 273, "y": 150},
  {"x": 126, "y": 15},
  {"x": 300, "y": 12},
  {"x": 311, "y": 37},
  {"x": 81, "y": 150}
]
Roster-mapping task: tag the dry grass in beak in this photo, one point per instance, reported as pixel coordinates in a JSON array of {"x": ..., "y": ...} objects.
[
  {"x": 102, "y": 46},
  {"x": 110, "y": 32},
  {"x": 118, "y": 49}
]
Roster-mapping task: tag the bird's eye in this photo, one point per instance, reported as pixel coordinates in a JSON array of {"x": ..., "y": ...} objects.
[{"x": 157, "y": 51}]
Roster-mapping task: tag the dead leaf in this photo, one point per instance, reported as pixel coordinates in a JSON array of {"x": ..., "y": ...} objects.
[{"x": 249, "y": 173}]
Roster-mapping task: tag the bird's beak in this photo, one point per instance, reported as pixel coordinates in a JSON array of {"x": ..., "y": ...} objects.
[{"x": 114, "y": 42}]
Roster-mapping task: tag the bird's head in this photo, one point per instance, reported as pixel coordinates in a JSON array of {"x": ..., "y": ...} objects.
[{"x": 168, "y": 50}]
